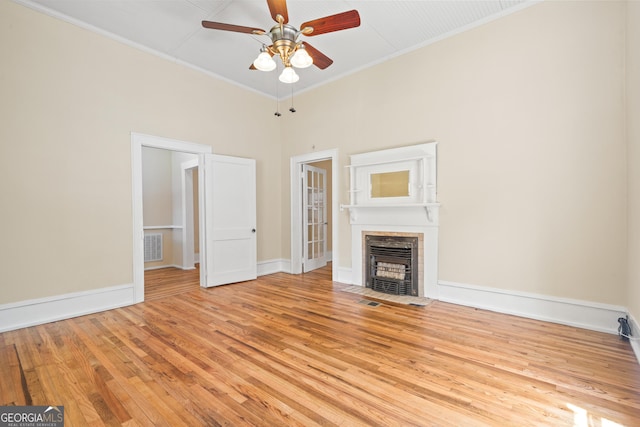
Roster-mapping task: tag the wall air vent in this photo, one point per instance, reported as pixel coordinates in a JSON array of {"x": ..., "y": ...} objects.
[{"x": 153, "y": 247}]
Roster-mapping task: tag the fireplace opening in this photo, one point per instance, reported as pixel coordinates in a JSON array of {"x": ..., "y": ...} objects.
[{"x": 392, "y": 264}]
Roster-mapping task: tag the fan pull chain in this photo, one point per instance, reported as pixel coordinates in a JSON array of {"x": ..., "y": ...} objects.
[
  {"x": 277, "y": 113},
  {"x": 292, "y": 109}
]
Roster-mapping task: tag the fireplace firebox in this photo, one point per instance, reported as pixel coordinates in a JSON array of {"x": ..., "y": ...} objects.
[{"x": 392, "y": 264}]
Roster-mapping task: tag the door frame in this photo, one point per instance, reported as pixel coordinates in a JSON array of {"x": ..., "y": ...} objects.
[
  {"x": 186, "y": 181},
  {"x": 296, "y": 163},
  {"x": 139, "y": 140}
]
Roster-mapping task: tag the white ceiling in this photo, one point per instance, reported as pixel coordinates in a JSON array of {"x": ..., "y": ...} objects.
[{"x": 173, "y": 28}]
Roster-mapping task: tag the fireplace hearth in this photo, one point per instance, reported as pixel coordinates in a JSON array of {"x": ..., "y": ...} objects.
[{"x": 392, "y": 264}]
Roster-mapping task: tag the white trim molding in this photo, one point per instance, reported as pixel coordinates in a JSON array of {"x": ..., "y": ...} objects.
[
  {"x": 160, "y": 267},
  {"x": 50, "y": 309},
  {"x": 295, "y": 187},
  {"x": 274, "y": 266},
  {"x": 578, "y": 313}
]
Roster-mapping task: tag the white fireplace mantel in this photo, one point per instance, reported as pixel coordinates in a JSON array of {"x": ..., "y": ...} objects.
[{"x": 415, "y": 212}]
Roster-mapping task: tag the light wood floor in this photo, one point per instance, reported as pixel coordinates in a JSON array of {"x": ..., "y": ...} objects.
[
  {"x": 296, "y": 350},
  {"x": 165, "y": 282}
]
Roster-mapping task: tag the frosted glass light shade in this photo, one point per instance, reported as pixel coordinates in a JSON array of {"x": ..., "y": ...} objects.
[
  {"x": 289, "y": 75},
  {"x": 301, "y": 58},
  {"x": 264, "y": 62}
]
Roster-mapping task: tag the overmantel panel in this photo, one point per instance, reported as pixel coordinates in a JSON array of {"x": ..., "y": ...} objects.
[{"x": 417, "y": 204}]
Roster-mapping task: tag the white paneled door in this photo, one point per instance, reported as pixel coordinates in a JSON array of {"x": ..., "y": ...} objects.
[
  {"x": 230, "y": 225},
  {"x": 314, "y": 217}
]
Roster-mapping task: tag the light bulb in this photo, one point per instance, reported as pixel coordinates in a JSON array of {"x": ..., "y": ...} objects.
[
  {"x": 301, "y": 58},
  {"x": 264, "y": 62},
  {"x": 289, "y": 75}
]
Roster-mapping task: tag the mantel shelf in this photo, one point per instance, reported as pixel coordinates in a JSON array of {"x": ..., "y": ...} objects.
[
  {"x": 428, "y": 207},
  {"x": 391, "y": 205}
]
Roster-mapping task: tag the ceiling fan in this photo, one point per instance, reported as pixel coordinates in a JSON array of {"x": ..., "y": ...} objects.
[{"x": 285, "y": 39}]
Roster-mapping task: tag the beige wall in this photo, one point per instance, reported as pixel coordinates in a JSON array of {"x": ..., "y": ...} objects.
[
  {"x": 157, "y": 193},
  {"x": 528, "y": 111},
  {"x": 70, "y": 99},
  {"x": 633, "y": 139}
]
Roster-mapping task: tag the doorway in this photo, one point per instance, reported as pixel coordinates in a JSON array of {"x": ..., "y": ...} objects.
[
  {"x": 170, "y": 214},
  {"x": 170, "y": 222},
  {"x": 327, "y": 160},
  {"x": 137, "y": 142}
]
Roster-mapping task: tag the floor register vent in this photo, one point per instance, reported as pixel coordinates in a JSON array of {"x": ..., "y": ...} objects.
[{"x": 369, "y": 303}]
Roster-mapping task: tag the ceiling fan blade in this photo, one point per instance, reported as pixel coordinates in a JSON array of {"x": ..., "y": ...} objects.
[
  {"x": 320, "y": 60},
  {"x": 278, "y": 7},
  {"x": 231, "y": 27},
  {"x": 337, "y": 22}
]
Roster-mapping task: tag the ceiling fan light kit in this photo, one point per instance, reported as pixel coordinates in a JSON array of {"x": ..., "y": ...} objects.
[
  {"x": 301, "y": 59},
  {"x": 289, "y": 75},
  {"x": 285, "y": 39},
  {"x": 264, "y": 61}
]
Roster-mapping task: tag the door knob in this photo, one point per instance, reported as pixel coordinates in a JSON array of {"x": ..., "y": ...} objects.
[{"x": 253, "y": 230}]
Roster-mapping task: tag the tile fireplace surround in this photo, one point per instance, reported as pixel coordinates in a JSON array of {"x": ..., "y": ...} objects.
[{"x": 415, "y": 215}]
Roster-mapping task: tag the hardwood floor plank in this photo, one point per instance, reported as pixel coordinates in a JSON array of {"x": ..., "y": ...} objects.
[
  {"x": 165, "y": 282},
  {"x": 289, "y": 350},
  {"x": 11, "y": 386}
]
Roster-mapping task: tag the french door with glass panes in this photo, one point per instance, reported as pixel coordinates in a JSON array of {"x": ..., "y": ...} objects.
[{"x": 314, "y": 217}]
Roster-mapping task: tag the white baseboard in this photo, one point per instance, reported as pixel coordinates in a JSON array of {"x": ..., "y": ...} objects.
[
  {"x": 44, "y": 310},
  {"x": 159, "y": 267},
  {"x": 274, "y": 266},
  {"x": 581, "y": 314},
  {"x": 284, "y": 266}
]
